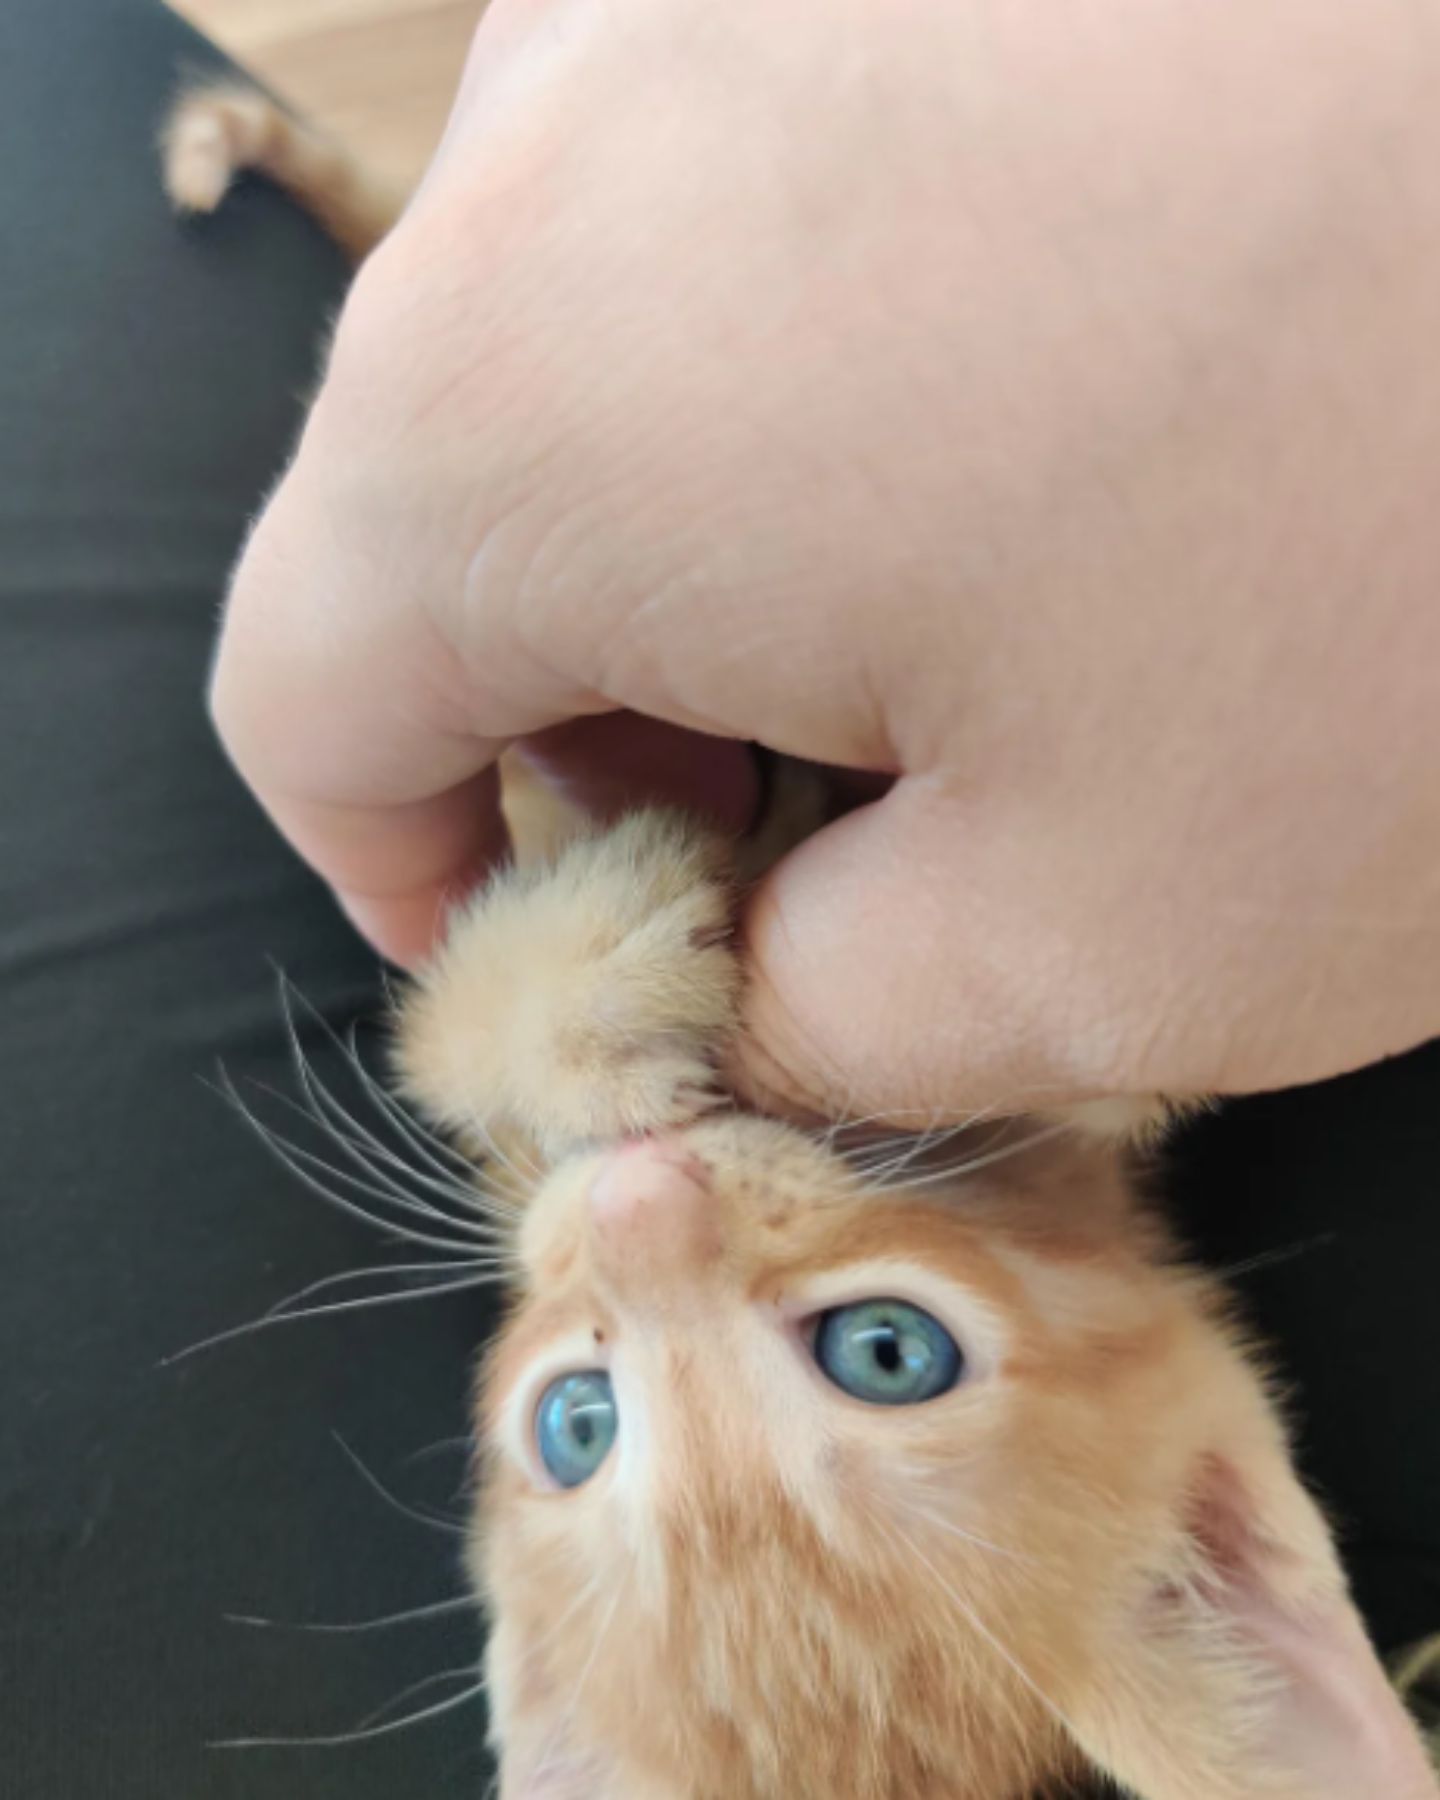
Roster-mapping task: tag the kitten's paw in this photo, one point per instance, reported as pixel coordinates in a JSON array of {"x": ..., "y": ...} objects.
[
  {"x": 211, "y": 135},
  {"x": 585, "y": 1000}
]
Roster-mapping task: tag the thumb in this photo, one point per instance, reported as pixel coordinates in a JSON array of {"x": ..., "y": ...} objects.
[{"x": 888, "y": 978}]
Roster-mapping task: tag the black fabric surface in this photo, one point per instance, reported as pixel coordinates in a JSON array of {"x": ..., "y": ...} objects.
[
  {"x": 151, "y": 379},
  {"x": 1332, "y": 1193}
]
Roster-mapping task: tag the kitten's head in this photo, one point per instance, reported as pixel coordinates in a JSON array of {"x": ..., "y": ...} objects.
[{"x": 799, "y": 1482}]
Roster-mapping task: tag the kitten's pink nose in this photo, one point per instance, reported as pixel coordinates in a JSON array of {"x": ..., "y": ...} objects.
[{"x": 652, "y": 1216}]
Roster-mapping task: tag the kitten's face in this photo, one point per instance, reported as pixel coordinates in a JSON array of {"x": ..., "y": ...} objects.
[{"x": 769, "y": 1585}]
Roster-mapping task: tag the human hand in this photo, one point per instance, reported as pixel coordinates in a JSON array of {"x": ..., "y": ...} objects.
[{"x": 1040, "y": 409}]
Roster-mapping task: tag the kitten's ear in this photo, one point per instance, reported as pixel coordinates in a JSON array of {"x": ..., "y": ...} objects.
[{"x": 1248, "y": 1673}]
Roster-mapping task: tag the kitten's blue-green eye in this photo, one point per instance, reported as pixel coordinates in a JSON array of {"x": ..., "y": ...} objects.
[
  {"x": 887, "y": 1352},
  {"x": 575, "y": 1425}
]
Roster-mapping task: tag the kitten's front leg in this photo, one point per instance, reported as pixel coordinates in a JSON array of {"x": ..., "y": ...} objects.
[{"x": 585, "y": 1000}]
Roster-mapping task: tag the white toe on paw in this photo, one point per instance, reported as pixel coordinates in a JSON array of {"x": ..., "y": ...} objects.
[{"x": 584, "y": 1000}]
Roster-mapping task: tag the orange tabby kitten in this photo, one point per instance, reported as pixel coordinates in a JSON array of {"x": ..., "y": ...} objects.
[{"x": 813, "y": 1470}]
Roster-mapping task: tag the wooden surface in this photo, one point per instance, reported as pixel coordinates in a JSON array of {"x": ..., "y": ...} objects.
[{"x": 378, "y": 73}]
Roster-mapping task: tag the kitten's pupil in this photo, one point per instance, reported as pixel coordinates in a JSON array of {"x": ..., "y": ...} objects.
[{"x": 887, "y": 1351}]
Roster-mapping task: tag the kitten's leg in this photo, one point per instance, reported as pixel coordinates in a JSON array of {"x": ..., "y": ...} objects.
[
  {"x": 213, "y": 133},
  {"x": 587, "y": 1000}
]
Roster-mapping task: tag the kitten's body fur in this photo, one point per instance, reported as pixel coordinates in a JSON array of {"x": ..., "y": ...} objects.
[{"x": 1092, "y": 1555}]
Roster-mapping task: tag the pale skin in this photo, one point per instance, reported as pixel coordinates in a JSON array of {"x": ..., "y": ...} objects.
[{"x": 1036, "y": 404}]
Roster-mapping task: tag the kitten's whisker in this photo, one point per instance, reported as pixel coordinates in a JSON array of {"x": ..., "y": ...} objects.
[
  {"x": 281, "y": 1307},
  {"x": 268, "y": 1321},
  {"x": 932, "y": 1139},
  {"x": 878, "y": 1136},
  {"x": 360, "y": 1735},
  {"x": 1269, "y": 1259},
  {"x": 583, "y": 1598},
  {"x": 935, "y": 1119},
  {"x": 296, "y": 1158},
  {"x": 466, "y": 1443},
  {"x": 837, "y": 1123},
  {"x": 999, "y": 1110},
  {"x": 476, "y": 1222},
  {"x": 940, "y": 1131},
  {"x": 891, "y": 1160},
  {"x": 971, "y": 1165},
  {"x": 323, "y": 1102},
  {"x": 531, "y": 1170},
  {"x": 492, "y": 1145},
  {"x": 885, "y": 1116},
  {"x": 472, "y": 1200},
  {"x": 419, "y": 1514},
  {"x": 886, "y": 1174},
  {"x": 300, "y": 1163},
  {"x": 462, "y": 1175},
  {"x": 441, "y": 1156},
  {"x": 466, "y": 1673},
  {"x": 406, "y": 1123},
  {"x": 429, "y": 1145},
  {"x": 558, "y": 1736},
  {"x": 436, "y": 1609},
  {"x": 1008, "y": 1107},
  {"x": 959, "y": 1531}
]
